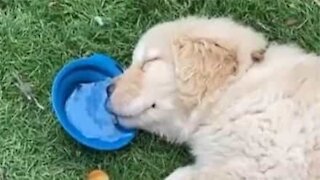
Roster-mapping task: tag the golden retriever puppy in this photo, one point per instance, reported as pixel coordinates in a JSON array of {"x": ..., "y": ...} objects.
[{"x": 205, "y": 83}]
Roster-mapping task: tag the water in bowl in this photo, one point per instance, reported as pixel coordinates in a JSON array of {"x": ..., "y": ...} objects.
[{"x": 85, "y": 109}]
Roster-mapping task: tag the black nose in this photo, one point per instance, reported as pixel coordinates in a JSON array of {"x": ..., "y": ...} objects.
[
  {"x": 108, "y": 106},
  {"x": 110, "y": 89}
]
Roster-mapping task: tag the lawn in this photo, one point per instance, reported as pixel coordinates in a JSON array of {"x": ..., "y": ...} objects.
[{"x": 38, "y": 36}]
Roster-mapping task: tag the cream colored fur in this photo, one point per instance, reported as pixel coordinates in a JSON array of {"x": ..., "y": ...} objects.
[{"x": 194, "y": 81}]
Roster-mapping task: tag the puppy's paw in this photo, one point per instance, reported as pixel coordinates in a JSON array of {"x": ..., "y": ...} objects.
[{"x": 184, "y": 173}]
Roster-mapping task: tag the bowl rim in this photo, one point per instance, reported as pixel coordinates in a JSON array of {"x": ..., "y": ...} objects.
[{"x": 94, "y": 60}]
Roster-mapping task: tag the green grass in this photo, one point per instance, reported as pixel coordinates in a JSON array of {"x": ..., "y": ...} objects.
[{"x": 38, "y": 36}]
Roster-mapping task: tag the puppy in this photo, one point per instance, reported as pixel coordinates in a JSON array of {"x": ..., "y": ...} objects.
[{"x": 246, "y": 111}]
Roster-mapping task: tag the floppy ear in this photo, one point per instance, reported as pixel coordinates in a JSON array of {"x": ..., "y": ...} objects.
[{"x": 201, "y": 66}]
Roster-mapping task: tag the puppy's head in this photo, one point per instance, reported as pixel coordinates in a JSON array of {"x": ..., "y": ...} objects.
[{"x": 175, "y": 66}]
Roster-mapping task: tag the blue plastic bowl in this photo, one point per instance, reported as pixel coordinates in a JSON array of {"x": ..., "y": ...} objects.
[{"x": 85, "y": 70}]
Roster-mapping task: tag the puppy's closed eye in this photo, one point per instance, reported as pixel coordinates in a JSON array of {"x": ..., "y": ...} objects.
[{"x": 148, "y": 63}]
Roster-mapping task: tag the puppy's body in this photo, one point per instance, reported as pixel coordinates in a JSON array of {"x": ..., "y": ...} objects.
[
  {"x": 266, "y": 125},
  {"x": 199, "y": 85}
]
